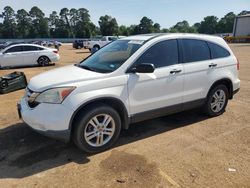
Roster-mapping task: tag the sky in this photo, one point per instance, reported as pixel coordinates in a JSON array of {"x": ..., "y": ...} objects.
[{"x": 165, "y": 12}]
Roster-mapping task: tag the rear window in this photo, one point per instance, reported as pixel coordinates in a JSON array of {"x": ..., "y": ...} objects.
[
  {"x": 195, "y": 50},
  {"x": 218, "y": 51}
]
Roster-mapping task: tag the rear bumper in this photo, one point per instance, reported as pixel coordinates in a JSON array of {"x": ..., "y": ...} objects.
[{"x": 55, "y": 58}]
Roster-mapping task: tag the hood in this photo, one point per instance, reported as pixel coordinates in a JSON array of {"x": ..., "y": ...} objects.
[{"x": 65, "y": 76}]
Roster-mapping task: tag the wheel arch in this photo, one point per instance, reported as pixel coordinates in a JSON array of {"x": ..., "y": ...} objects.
[
  {"x": 225, "y": 81},
  {"x": 115, "y": 103}
]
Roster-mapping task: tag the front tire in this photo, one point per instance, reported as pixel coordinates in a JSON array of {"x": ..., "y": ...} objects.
[
  {"x": 97, "y": 129},
  {"x": 217, "y": 101}
]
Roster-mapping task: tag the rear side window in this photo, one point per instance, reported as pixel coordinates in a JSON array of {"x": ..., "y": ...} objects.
[
  {"x": 31, "y": 48},
  {"x": 15, "y": 49},
  {"x": 162, "y": 54},
  {"x": 195, "y": 50},
  {"x": 218, "y": 51}
]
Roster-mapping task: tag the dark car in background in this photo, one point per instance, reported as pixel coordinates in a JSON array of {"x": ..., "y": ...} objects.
[{"x": 78, "y": 44}]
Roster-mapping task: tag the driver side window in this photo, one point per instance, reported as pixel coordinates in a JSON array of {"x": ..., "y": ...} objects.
[{"x": 162, "y": 54}]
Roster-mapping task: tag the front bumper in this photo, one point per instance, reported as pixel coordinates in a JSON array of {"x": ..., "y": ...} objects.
[{"x": 51, "y": 120}]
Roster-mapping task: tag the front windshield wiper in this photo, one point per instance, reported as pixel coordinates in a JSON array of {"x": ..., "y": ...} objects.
[{"x": 85, "y": 67}]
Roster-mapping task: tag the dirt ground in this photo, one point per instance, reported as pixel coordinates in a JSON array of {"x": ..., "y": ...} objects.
[{"x": 183, "y": 150}]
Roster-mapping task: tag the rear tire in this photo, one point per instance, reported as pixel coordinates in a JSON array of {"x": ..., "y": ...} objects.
[
  {"x": 97, "y": 129},
  {"x": 96, "y": 48},
  {"x": 216, "y": 101},
  {"x": 43, "y": 61}
]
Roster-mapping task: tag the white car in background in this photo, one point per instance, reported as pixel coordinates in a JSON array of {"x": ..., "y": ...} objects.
[
  {"x": 27, "y": 54},
  {"x": 97, "y": 44}
]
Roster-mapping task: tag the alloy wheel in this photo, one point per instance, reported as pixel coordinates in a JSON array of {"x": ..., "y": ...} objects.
[
  {"x": 218, "y": 101},
  {"x": 99, "y": 130}
]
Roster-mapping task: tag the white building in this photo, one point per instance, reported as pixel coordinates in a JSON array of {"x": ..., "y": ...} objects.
[{"x": 242, "y": 26}]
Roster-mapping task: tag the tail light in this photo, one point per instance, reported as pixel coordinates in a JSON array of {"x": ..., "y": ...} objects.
[
  {"x": 238, "y": 65},
  {"x": 55, "y": 51}
]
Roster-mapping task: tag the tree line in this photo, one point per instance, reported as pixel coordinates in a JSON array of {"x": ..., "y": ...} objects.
[{"x": 76, "y": 23}]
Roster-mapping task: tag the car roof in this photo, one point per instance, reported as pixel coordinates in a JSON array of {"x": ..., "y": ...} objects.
[
  {"x": 26, "y": 44},
  {"x": 142, "y": 37},
  {"x": 22, "y": 44},
  {"x": 147, "y": 37}
]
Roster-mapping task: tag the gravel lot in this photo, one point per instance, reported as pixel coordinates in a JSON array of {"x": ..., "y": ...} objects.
[{"x": 183, "y": 150}]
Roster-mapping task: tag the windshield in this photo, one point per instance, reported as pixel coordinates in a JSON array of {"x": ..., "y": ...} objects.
[{"x": 112, "y": 56}]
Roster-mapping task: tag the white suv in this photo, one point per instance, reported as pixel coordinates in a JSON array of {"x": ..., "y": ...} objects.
[{"x": 131, "y": 80}]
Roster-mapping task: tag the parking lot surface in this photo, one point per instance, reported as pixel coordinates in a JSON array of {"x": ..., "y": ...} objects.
[{"x": 182, "y": 150}]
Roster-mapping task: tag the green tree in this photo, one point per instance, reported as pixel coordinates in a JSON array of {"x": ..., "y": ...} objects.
[
  {"x": 40, "y": 26},
  {"x": 53, "y": 19},
  {"x": 61, "y": 31},
  {"x": 108, "y": 25},
  {"x": 56, "y": 26},
  {"x": 123, "y": 30},
  {"x": 23, "y": 23},
  {"x": 73, "y": 17},
  {"x": 244, "y": 12},
  {"x": 208, "y": 25},
  {"x": 145, "y": 26},
  {"x": 65, "y": 17},
  {"x": 225, "y": 25},
  {"x": 9, "y": 23},
  {"x": 157, "y": 28},
  {"x": 197, "y": 26},
  {"x": 132, "y": 29},
  {"x": 165, "y": 30},
  {"x": 183, "y": 27},
  {"x": 1, "y": 30},
  {"x": 80, "y": 21}
]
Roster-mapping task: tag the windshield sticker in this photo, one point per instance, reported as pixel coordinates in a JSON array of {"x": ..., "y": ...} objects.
[{"x": 136, "y": 42}]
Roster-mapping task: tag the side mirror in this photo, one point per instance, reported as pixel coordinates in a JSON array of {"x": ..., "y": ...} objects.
[{"x": 144, "y": 68}]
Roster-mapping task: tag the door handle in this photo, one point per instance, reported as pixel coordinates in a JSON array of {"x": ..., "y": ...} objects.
[
  {"x": 175, "y": 71},
  {"x": 212, "y": 65}
]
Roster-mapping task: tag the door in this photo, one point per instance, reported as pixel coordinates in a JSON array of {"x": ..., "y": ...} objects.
[
  {"x": 30, "y": 55},
  {"x": 153, "y": 91},
  {"x": 12, "y": 57},
  {"x": 198, "y": 67}
]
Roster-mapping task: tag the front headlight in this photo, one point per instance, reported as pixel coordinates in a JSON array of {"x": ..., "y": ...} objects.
[{"x": 55, "y": 95}]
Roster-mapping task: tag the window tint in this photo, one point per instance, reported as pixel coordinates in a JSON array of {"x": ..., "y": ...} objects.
[
  {"x": 162, "y": 54},
  {"x": 14, "y": 49},
  {"x": 112, "y": 38},
  {"x": 217, "y": 51},
  {"x": 195, "y": 50},
  {"x": 31, "y": 48},
  {"x": 112, "y": 56}
]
